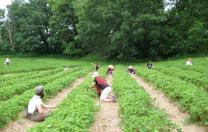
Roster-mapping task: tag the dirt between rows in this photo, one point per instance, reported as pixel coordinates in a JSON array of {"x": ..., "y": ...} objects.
[
  {"x": 23, "y": 124},
  {"x": 170, "y": 108},
  {"x": 107, "y": 118}
]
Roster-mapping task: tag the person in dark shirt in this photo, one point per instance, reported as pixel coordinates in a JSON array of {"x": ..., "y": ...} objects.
[
  {"x": 103, "y": 88},
  {"x": 97, "y": 66},
  {"x": 131, "y": 70},
  {"x": 110, "y": 70},
  {"x": 149, "y": 65}
]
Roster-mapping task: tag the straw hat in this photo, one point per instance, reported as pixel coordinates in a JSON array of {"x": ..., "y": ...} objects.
[
  {"x": 111, "y": 66},
  {"x": 130, "y": 67},
  {"x": 95, "y": 74}
]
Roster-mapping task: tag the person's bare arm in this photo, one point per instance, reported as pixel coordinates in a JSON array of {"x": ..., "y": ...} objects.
[
  {"x": 47, "y": 106},
  {"x": 41, "y": 110}
]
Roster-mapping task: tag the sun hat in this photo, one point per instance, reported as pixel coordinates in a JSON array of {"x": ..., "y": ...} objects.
[
  {"x": 130, "y": 67},
  {"x": 95, "y": 74},
  {"x": 38, "y": 90},
  {"x": 110, "y": 66}
]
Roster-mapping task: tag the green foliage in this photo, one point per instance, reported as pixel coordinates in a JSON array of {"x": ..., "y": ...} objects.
[
  {"x": 11, "y": 107},
  {"x": 113, "y": 29},
  {"x": 137, "y": 111},
  {"x": 190, "y": 98},
  {"x": 75, "y": 113}
]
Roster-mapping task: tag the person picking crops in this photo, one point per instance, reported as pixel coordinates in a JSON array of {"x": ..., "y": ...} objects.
[
  {"x": 37, "y": 111},
  {"x": 149, "y": 65},
  {"x": 131, "y": 70},
  {"x": 7, "y": 61},
  {"x": 97, "y": 66},
  {"x": 110, "y": 70},
  {"x": 189, "y": 62},
  {"x": 103, "y": 87}
]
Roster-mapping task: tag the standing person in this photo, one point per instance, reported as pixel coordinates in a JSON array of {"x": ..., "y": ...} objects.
[
  {"x": 110, "y": 70},
  {"x": 189, "y": 62},
  {"x": 149, "y": 65},
  {"x": 103, "y": 86},
  {"x": 37, "y": 111},
  {"x": 97, "y": 66},
  {"x": 131, "y": 70},
  {"x": 7, "y": 61}
]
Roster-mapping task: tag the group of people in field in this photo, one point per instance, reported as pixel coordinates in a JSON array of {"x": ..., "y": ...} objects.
[{"x": 37, "y": 111}]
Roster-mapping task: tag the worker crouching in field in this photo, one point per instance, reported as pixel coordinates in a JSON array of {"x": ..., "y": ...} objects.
[
  {"x": 37, "y": 110},
  {"x": 97, "y": 66},
  {"x": 7, "y": 61},
  {"x": 149, "y": 65},
  {"x": 110, "y": 70},
  {"x": 131, "y": 70},
  {"x": 103, "y": 87}
]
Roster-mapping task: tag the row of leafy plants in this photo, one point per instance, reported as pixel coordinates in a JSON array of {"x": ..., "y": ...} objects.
[
  {"x": 29, "y": 76},
  {"x": 189, "y": 97},
  {"x": 10, "y": 108},
  {"x": 197, "y": 66},
  {"x": 13, "y": 76},
  {"x": 75, "y": 114},
  {"x": 136, "y": 108},
  {"x": 197, "y": 78},
  {"x": 21, "y": 87}
]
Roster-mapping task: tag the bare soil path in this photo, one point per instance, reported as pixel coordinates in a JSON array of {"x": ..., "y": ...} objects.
[
  {"x": 163, "y": 102},
  {"x": 23, "y": 124},
  {"x": 107, "y": 119}
]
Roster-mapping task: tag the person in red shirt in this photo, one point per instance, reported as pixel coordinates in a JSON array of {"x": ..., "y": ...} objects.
[{"x": 103, "y": 88}]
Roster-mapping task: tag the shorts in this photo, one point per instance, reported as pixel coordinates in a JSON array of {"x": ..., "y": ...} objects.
[
  {"x": 37, "y": 117},
  {"x": 105, "y": 93}
]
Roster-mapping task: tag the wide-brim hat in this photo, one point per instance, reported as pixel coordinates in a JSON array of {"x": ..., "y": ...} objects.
[
  {"x": 110, "y": 66},
  {"x": 95, "y": 74}
]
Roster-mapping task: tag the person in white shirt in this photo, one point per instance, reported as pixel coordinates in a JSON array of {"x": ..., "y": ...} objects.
[
  {"x": 7, "y": 61},
  {"x": 189, "y": 61},
  {"x": 37, "y": 110}
]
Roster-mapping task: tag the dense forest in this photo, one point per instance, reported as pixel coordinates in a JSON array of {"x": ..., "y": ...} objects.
[{"x": 117, "y": 29}]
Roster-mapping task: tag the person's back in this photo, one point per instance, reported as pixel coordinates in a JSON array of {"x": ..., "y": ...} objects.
[
  {"x": 101, "y": 82},
  {"x": 7, "y": 61},
  {"x": 149, "y": 65},
  {"x": 97, "y": 66},
  {"x": 131, "y": 70},
  {"x": 189, "y": 62},
  {"x": 33, "y": 104}
]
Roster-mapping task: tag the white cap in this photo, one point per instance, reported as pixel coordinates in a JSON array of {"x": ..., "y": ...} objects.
[
  {"x": 95, "y": 74},
  {"x": 130, "y": 67}
]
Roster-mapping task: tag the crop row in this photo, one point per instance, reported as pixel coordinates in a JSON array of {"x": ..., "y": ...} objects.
[
  {"x": 29, "y": 76},
  {"x": 8, "y": 77},
  {"x": 197, "y": 78},
  {"x": 19, "y": 88},
  {"x": 189, "y": 97},
  {"x": 197, "y": 66},
  {"x": 9, "y": 109},
  {"x": 22, "y": 69},
  {"x": 74, "y": 114},
  {"x": 137, "y": 111}
]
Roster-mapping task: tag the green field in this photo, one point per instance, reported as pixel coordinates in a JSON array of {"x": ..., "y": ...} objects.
[{"x": 187, "y": 86}]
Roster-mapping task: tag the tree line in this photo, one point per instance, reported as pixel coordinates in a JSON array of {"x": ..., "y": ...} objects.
[{"x": 117, "y": 29}]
